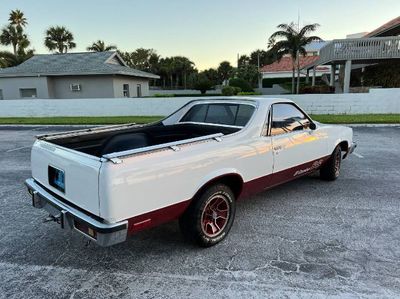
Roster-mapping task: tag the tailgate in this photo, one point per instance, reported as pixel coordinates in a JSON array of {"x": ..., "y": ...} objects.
[{"x": 79, "y": 174}]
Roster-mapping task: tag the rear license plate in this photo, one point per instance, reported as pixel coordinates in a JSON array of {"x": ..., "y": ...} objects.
[{"x": 57, "y": 178}]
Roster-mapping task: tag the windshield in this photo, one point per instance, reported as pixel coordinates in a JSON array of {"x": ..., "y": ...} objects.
[{"x": 220, "y": 113}]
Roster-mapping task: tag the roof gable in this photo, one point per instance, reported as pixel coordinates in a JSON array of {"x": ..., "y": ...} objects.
[
  {"x": 116, "y": 59},
  {"x": 385, "y": 28}
]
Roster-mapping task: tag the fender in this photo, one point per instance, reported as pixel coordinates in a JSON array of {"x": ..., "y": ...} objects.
[{"x": 219, "y": 175}]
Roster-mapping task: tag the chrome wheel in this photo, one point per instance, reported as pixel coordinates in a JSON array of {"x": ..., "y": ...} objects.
[{"x": 215, "y": 215}]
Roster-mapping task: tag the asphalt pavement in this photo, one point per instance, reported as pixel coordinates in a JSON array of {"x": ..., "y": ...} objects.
[{"x": 307, "y": 238}]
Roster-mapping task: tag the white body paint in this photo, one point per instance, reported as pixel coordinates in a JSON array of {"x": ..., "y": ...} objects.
[{"x": 153, "y": 180}]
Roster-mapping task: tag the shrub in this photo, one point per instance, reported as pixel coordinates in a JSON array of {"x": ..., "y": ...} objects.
[
  {"x": 203, "y": 84},
  {"x": 230, "y": 90},
  {"x": 253, "y": 93},
  {"x": 178, "y": 95},
  {"x": 386, "y": 75},
  {"x": 161, "y": 95},
  {"x": 242, "y": 84}
]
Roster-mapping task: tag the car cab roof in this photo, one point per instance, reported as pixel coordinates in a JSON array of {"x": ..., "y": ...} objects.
[{"x": 258, "y": 101}]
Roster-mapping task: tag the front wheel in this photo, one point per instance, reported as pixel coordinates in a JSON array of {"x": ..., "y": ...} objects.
[
  {"x": 331, "y": 170},
  {"x": 209, "y": 218}
]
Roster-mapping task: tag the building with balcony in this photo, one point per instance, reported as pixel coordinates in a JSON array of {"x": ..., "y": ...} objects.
[{"x": 346, "y": 55}]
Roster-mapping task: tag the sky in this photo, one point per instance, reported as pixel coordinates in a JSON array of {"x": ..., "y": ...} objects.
[{"x": 206, "y": 31}]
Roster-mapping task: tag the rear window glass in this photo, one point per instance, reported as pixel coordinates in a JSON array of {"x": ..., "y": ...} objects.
[{"x": 224, "y": 114}]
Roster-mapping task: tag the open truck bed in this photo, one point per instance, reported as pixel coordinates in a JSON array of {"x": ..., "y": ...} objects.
[{"x": 106, "y": 140}]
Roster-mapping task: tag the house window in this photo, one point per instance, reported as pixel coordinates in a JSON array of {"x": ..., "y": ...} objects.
[
  {"x": 1, "y": 94},
  {"x": 139, "y": 90},
  {"x": 75, "y": 87},
  {"x": 125, "y": 90},
  {"x": 28, "y": 92}
]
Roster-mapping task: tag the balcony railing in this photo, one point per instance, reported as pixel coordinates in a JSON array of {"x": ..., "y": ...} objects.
[{"x": 360, "y": 49}]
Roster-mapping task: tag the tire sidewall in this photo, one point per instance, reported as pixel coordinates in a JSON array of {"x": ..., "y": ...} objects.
[
  {"x": 203, "y": 201},
  {"x": 337, "y": 158}
]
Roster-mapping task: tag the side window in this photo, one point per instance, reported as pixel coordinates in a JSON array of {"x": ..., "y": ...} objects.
[{"x": 287, "y": 118}]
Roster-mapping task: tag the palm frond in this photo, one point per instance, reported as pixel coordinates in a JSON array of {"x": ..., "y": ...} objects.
[{"x": 308, "y": 28}]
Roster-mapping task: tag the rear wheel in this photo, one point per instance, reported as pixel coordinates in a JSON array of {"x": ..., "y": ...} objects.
[
  {"x": 331, "y": 170},
  {"x": 209, "y": 218}
]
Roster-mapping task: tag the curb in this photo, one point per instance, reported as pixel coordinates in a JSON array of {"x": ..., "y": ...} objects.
[{"x": 371, "y": 125}]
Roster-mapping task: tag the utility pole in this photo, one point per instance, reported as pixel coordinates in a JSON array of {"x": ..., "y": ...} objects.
[{"x": 259, "y": 71}]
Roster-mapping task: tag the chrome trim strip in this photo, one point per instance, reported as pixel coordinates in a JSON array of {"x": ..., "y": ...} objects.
[
  {"x": 87, "y": 131},
  {"x": 210, "y": 124},
  {"x": 159, "y": 146}
]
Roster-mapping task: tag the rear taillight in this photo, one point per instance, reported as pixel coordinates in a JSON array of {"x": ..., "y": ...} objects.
[{"x": 84, "y": 228}]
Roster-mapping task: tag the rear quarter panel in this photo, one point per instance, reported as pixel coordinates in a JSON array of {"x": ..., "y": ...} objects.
[{"x": 147, "y": 182}]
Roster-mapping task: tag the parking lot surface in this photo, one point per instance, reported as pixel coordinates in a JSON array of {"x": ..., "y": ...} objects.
[{"x": 307, "y": 238}]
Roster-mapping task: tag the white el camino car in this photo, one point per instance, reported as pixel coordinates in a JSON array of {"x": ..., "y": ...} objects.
[{"x": 110, "y": 182}]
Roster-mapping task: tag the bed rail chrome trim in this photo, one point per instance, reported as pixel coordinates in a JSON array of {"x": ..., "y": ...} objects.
[
  {"x": 170, "y": 145},
  {"x": 86, "y": 131}
]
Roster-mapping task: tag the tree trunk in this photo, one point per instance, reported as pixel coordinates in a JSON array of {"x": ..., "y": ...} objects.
[
  {"x": 184, "y": 80},
  {"x": 298, "y": 73},
  {"x": 15, "y": 49},
  {"x": 293, "y": 76}
]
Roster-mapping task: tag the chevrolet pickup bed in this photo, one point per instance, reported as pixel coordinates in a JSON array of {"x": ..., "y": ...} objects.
[{"x": 110, "y": 182}]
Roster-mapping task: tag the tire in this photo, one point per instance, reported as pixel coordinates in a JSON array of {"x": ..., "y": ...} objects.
[
  {"x": 209, "y": 218},
  {"x": 331, "y": 169}
]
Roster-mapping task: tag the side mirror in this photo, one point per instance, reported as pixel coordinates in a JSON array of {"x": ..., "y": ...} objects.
[{"x": 312, "y": 126}]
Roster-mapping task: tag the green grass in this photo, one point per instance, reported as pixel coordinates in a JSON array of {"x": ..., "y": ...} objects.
[
  {"x": 330, "y": 119},
  {"x": 358, "y": 119},
  {"x": 103, "y": 120}
]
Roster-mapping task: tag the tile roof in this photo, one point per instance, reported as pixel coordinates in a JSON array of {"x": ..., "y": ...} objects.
[
  {"x": 285, "y": 64},
  {"x": 385, "y": 27},
  {"x": 85, "y": 63}
]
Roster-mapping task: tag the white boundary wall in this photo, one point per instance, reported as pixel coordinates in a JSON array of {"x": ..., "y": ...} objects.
[{"x": 377, "y": 101}]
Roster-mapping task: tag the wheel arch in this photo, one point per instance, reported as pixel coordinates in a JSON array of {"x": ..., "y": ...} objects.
[
  {"x": 344, "y": 147},
  {"x": 231, "y": 179}
]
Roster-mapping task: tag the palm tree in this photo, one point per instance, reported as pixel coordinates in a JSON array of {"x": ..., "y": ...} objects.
[
  {"x": 14, "y": 36},
  {"x": 8, "y": 59},
  {"x": 59, "y": 39},
  {"x": 17, "y": 18},
  {"x": 225, "y": 71},
  {"x": 292, "y": 42},
  {"x": 100, "y": 46}
]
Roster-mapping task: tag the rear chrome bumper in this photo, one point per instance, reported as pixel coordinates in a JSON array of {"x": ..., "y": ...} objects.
[{"x": 104, "y": 234}]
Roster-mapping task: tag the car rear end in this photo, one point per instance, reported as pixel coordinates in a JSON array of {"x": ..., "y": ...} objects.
[{"x": 65, "y": 183}]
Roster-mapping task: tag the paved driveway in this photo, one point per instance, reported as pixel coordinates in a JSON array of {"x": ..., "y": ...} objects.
[{"x": 305, "y": 238}]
